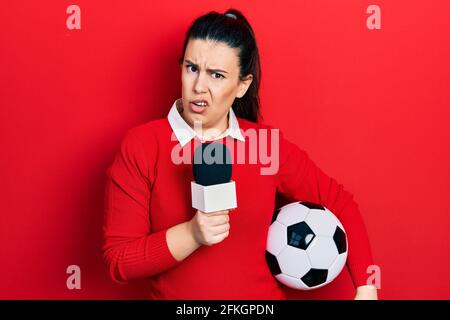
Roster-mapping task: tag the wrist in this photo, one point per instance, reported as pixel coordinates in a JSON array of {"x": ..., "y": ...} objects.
[
  {"x": 191, "y": 234},
  {"x": 366, "y": 287},
  {"x": 366, "y": 292}
]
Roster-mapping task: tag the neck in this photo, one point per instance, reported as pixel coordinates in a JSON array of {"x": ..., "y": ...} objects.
[{"x": 213, "y": 132}]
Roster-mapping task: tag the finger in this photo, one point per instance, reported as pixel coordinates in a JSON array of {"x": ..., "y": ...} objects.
[
  {"x": 219, "y": 229},
  {"x": 218, "y": 213},
  {"x": 219, "y": 220},
  {"x": 221, "y": 236}
]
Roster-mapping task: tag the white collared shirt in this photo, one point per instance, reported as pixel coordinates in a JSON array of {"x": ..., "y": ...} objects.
[{"x": 185, "y": 133}]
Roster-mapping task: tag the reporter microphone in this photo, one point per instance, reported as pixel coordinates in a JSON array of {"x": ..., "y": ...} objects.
[{"x": 213, "y": 189}]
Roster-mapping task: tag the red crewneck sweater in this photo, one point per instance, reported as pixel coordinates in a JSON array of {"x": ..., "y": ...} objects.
[{"x": 146, "y": 194}]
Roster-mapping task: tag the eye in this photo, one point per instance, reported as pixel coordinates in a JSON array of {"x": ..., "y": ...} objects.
[
  {"x": 190, "y": 65},
  {"x": 220, "y": 76}
]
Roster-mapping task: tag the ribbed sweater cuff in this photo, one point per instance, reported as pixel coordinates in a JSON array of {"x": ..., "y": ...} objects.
[
  {"x": 145, "y": 257},
  {"x": 158, "y": 251}
]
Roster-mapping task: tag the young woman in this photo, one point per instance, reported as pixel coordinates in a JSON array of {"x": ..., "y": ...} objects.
[{"x": 151, "y": 230}]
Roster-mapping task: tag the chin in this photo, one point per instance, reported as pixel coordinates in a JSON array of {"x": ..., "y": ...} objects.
[
  {"x": 192, "y": 117},
  {"x": 196, "y": 116}
]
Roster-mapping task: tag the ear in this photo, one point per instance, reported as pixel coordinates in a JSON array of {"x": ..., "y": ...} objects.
[{"x": 244, "y": 85}]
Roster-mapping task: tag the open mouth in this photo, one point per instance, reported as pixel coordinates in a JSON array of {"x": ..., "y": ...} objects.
[{"x": 198, "y": 106}]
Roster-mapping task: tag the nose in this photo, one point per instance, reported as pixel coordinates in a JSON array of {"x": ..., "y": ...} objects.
[{"x": 200, "y": 84}]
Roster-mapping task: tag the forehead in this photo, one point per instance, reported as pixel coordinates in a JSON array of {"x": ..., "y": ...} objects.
[{"x": 211, "y": 54}]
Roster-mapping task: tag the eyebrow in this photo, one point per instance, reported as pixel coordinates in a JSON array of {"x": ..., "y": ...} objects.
[{"x": 196, "y": 65}]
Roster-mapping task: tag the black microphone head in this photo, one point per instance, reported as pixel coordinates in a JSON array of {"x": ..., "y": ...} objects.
[{"x": 212, "y": 164}]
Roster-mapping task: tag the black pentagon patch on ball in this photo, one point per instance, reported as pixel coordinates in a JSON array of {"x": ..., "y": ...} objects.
[
  {"x": 300, "y": 235},
  {"x": 315, "y": 277},
  {"x": 312, "y": 205},
  {"x": 275, "y": 215},
  {"x": 272, "y": 262},
  {"x": 340, "y": 240}
]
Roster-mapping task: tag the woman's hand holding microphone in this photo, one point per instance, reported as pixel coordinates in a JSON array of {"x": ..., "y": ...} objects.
[
  {"x": 210, "y": 228},
  {"x": 203, "y": 229}
]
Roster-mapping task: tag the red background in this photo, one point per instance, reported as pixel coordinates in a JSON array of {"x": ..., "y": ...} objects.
[{"x": 371, "y": 107}]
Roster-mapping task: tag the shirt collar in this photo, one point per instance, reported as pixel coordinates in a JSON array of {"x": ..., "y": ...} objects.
[{"x": 185, "y": 133}]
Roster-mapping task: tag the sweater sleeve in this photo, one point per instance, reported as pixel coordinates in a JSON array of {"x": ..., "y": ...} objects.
[
  {"x": 300, "y": 179},
  {"x": 130, "y": 250}
]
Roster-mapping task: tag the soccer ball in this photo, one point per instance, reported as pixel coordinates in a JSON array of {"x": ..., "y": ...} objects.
[{"x": 306, "y": 246}]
